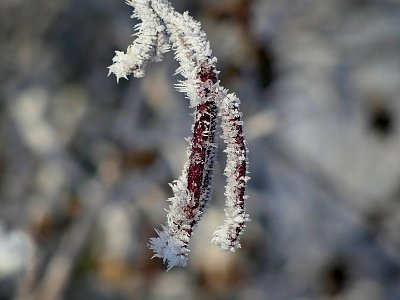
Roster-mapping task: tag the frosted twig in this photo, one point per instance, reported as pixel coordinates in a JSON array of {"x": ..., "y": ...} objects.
[
  {"x": 228, "y": 235},
  {"x": 150, "y": 43},
  {"x": 201, "y": 85}
]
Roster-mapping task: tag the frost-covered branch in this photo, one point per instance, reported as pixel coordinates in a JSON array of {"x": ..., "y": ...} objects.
[
  {"x": 192, "y": 191},
  {"x": 150, "y": 43},
  {"x": 228, "y": 235}
]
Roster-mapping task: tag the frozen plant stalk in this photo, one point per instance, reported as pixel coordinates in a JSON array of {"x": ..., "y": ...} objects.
[{"x": 162, "y": 27}]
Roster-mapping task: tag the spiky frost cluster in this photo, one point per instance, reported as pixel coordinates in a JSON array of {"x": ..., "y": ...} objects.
[{"x": 161, "y": 27}]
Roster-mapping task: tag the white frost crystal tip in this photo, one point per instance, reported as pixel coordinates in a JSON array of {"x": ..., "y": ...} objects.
[
  {"x": 150, "y": 43},
  {"x": 163, "y": 28},
  {"x": 168, "y": 249}
]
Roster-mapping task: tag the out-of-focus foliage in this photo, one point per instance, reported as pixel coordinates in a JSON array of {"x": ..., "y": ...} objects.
[{"x": 85, "y": 163}]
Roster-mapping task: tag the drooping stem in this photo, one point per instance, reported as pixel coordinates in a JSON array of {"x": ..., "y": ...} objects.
[
  {"x": 192, "y": 191},
  {"x": 150, "y": 43},
  {"x": 228, "y": 235}
]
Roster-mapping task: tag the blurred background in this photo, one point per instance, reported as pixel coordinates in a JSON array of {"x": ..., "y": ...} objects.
[{"x": 85, "y": 162}]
